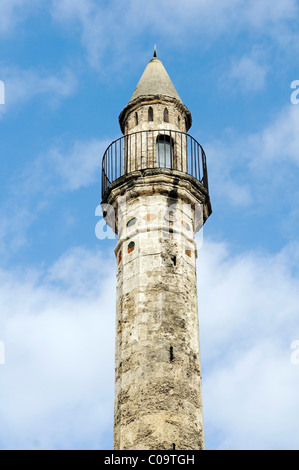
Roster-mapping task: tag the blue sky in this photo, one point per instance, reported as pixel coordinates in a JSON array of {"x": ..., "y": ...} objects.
[{"x": 69, "y": 68}]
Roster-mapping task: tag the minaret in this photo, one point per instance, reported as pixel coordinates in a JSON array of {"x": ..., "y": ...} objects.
[{"x": 155, "y": 196}]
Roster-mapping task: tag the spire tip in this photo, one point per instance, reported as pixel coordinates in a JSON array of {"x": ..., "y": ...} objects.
[{"x": 155, "y": 51}]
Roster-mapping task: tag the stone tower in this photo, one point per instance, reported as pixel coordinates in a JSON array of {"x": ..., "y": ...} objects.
[{"x": 155, "y": 197}]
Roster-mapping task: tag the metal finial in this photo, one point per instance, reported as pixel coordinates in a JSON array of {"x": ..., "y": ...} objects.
[{"x": 155, "y": 51}]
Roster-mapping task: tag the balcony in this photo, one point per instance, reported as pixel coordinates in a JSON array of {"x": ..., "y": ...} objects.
[{"x": 149, "y": 149}]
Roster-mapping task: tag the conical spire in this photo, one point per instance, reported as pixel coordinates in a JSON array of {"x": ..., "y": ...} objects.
[
  {"x": 155, "y": 81},
  {"x": 154, "y": 84}
]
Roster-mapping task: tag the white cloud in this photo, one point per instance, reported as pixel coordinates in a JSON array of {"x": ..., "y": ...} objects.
[
  {"x": 248, "y": 309},
  {"x": 115, "y": 27},
  {"x": 266, "y": 13},
  {"x": 44, "y": 179},
  {"x": 247, "y": 74},
  {"x": 16, "y": 219},
  {"x": 279, "y": 141},
  {"x": 57, "y": 384},
  {"x": 224, "y": 159},
  {"x": 14, "y": 11},
  {"x": 247, "y": 169},
  {"x": 23, "y": 85},
  {"x": 41, "y": 182},
  {"x": 80, "y": 166},
  {"x": 94, "y": 22},
  {"x": 63, "y": 169},
  {"x": 257, "y": 408}
]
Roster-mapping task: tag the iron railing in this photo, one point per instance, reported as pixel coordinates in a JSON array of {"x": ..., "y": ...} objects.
[{"x": 154, "y": 149}]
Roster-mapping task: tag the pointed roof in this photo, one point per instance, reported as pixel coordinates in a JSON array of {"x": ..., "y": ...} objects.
[{"x": 155, "y": 81}]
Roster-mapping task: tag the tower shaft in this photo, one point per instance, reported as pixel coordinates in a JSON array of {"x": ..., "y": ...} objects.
[
  {"x": 158, "y": 402},
  {"x": 158, "y": 206}
]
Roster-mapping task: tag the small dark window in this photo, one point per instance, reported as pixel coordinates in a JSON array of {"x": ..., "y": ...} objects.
[
  {"x": 136, "y": 119},
  {"x": 150, "y": 114},
  {"x": 131, "y": 247},
  {"x": 173, "y": 446},
  {"x": 188, "y": 252},
  {"x": 131, "y": 222},
  {"x": 171, "y": 356},
  {"x": 179, "y": 122},
  {"x": 166, "y": 116}
]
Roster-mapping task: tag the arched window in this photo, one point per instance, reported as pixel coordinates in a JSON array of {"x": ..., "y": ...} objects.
[
  {"x": 166, "y": 116},
  {"x": 150, "y": 114},
  {"x": 179, "y": 122},
  {"x": 136, "y": 119},
  {"x": 164, "y": 148}
]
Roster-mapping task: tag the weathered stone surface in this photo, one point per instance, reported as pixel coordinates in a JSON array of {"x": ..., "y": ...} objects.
[
  {"x": 155, "y": 80},
  {"x": 158, "y": 381}
]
